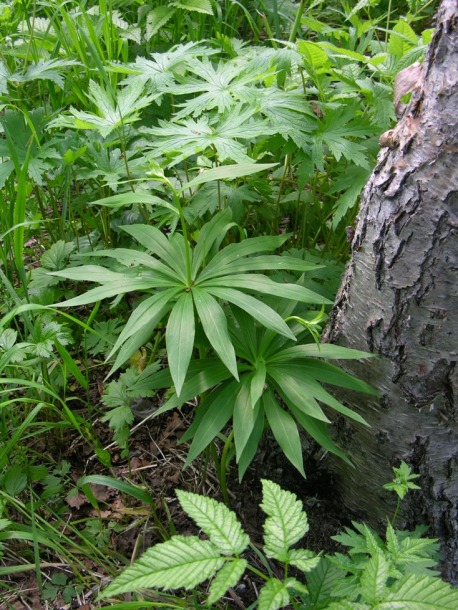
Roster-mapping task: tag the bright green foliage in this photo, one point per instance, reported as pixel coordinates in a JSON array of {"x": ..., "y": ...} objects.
[
  {"x": 402, "y": 481},
  {"x": 371, "y": 577}
]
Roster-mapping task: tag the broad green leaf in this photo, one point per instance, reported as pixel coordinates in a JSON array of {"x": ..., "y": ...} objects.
[
  {"x": 297, "y": 392},
  {"x": 286, "y": 521},
  {"x": 402, "y": 39},
  {"x": 156, "y": 19},
  {"x": 155, "y": 241},
  {"x": 313, "y": 53},
  {"x": 227, "y": 577},
  {"x": 199, "y": 6},
  {"x": 213, "y": 421},
  {"x": 374, "y": 578},
  {"x": 224, "y": 172},
  {"x": 417, "y": 592},
  {"x": 214, "y": 323},
  {"x": 284, "y": 429},
  {"x": 263, "y": 284},
  {"x": 262, "y": 313},
  {"x": 140, "y": 197},
  {"x": 218, "y": 522},
  {"x": 273, "y": 595},
  {"x": 257, "y": 383},
  {"x": 234, "y": 252},
  {"x": 179, "y": 339},
  {"x": 321, "y": 582},
  {"x": 182, "y": 561}
]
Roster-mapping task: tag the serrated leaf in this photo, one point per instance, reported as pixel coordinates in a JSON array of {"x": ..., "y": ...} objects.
[
  {"x": 156, "y": 19},
  {"x": 321, "y": 582},
  {"x": 303, "y": 559},
  {"x": 227, "y": 577},
  {"x": 402, "y": 39},
  {"x": 198, "y": 6},
  {"x": 182, "y": 561},
  {"x": 179, "y": 339},
  {"x": 273, "y": 595},
  {"x": 420, "y": 593},
  {"x": 374, "y": 578},
  {"x": 218, "y": 522},
  {"x": 286, "y": 522}
]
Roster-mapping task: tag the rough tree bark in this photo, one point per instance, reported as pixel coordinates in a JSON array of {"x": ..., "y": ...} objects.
[{"x": 399, "y": 298}]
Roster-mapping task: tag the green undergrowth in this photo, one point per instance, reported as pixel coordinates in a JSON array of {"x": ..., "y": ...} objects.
[{"x": 176, "y": 184}]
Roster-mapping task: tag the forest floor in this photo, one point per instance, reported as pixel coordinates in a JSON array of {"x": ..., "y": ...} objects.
[{"x": 156, "y": 463}]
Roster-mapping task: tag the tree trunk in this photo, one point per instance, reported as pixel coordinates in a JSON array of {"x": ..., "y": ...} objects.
[{"x": 399, "y": 299}]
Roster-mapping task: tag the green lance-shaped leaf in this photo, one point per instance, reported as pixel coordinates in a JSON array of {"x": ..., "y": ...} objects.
[
  {"x": 182, "y": 561},
  {"x": 155, "y": 241},
  {"x": 179, "y": 339},
  {"x": 323, "y": 350},
  {"x": 234, "y": 252},
  {"x": 106, "y": 291},
  {"x": 286, "y": 522},
  {"x": 273, "y": 595},
  {"x": 296, "y": 393},
  {"x": 227, "y": 577},
  {"x": 214, "y": 323},
  {"x": 124, "y": 199},
  {"x": 264, "y": 285},
  {"x": 215, "y": 417},
  {"x": 258, "y": 382},
  {"x": 256, "y": 308},
  {"x": 417, "y": 592},
  {"x": 218, "y": 522},
  {"x": 285, "y": 430},
  {"x": 212, "y": 231}
]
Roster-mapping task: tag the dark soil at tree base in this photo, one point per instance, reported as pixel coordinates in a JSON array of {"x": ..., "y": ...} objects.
[{"x": 156, "y": 461}]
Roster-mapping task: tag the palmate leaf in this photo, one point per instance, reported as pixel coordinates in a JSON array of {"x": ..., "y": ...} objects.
[
  {"x": 182, "y": 561},
  {"x": 219, "y": 87},
  {"x": 218, "y": 522},
  {"x": 114, "y": 110},
  {"x": 189, "y": 137},
  {"x": 286, "y": 522}
]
